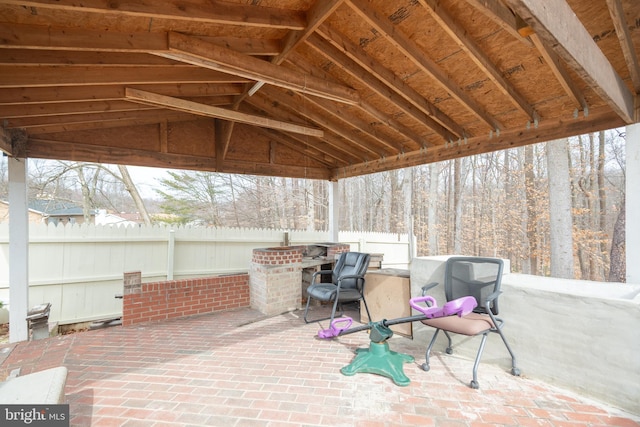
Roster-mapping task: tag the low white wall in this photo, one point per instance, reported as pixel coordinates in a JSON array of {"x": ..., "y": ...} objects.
[{"x": 580, "y": 335}]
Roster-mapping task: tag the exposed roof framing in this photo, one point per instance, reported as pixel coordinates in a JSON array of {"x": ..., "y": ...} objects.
[{"x": 321, "y": 89}]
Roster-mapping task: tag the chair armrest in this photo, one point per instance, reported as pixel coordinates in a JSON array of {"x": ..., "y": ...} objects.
[
  {"x": 313, "y": 276},
  {"x": 428, "y": 286},
  {"x": 350, "y": 276},
  {"x": 493, "y": 296}
]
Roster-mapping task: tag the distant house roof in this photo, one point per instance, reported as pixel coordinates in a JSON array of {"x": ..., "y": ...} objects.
[{"x": 52, "y": 207}]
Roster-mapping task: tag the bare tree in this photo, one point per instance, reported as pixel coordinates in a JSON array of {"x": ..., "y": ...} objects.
[{"x": 561, "y": 236}]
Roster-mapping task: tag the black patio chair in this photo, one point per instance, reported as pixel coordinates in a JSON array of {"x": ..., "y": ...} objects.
[
  {"x": 347, "y": 283},
  {"x": 480, "y": 278}
]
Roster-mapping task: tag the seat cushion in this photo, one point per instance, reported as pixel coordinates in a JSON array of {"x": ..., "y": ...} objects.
[
  {"x": 471, "y": 324},
  {"x": 325, "y": 292}
]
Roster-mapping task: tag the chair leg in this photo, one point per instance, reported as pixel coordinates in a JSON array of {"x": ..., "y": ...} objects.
[
  {"x": 366, "y": 307},
  {"x": 425, "y": 366},
  {"x": 306, "y": 310},
  {"x": 514, "y": 369},
  {"x": 333, "y": 313},
  {"x": 449, "y": 349},
  {"x": 474, "y": 382}
]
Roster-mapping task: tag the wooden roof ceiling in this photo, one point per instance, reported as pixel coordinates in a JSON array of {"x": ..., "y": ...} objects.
[{"x": 320, "y": 89}]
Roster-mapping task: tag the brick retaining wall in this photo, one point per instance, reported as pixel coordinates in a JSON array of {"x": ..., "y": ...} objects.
[{"x": 157, "y": 301}]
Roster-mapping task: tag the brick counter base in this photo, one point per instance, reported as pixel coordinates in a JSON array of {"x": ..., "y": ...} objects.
[{"x": 157, "y": 301}]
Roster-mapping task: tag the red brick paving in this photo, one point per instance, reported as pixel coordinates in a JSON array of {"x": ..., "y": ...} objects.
[{"x": 237, "y": 369}]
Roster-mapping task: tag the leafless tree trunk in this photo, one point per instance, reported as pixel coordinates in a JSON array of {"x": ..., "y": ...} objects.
[
  {"x": 532, "y": 217},
  {"x": 561, "y": 236},
  {"x": 457, "y": 197},
  {"x": 618, "y": 264},
  {"x": 602, "y": 198},
  {"x": 135, "y": 195},
  {"x": 432, "y": 213},
  {"x": 407, "y": 189}
]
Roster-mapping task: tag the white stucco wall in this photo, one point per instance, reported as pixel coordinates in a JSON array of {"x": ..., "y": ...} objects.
[{"x": 580, "y": 335}]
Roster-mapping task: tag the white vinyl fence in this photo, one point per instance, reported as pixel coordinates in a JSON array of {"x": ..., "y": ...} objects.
[{"x": 78, "y": 268}]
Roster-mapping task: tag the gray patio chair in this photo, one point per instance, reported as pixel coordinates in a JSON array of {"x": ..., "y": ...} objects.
[
  {"x": 347, "y": 283},
  {"x": 480, "y": 278}
]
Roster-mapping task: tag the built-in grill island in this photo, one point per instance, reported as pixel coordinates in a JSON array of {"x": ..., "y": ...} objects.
[{"x": 280, "y": 276}]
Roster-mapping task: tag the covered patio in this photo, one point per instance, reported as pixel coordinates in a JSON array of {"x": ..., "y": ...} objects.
[
  {"x": 308, "y": 89},
  {"x": 240, "y": 368}
]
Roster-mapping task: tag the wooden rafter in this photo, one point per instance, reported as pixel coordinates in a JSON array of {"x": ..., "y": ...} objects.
[
  {"x": 402, "y": 43},
  {"x": 212, "y": 111},
  {"x": 378, "y": 116},
  {"x": 628, "y": 50},
  {"x": 199, "y": 52},
  {"x": 557, "y": 67},
  {"x": 211, "y": 12},
  {"x": 82, "y": 122},
  {"x": 54, "y": 94},
  {"x": 27, "y": 76},
  {"x": 558, "y": 26},
  {"x": 501, "y": 15},
  {"x": 507, "y": 20},
  {"x": 468, "y": 45},
  {"x": 373, "y": 83},
  {"x": 338, "y": 47}
]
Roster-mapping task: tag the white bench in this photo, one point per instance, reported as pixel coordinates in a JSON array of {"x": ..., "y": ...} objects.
[{"x": 44, "y": 387}]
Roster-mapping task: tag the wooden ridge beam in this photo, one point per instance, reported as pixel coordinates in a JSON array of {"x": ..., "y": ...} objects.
[
  {"x": 557, "y": 26},
  {"x": 217, "y": 112},
  {"x": 210, "y": 11},
  {"x": 197, "y": 51}
]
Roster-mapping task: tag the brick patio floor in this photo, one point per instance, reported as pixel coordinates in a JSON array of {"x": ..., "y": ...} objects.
[{"x": 240, "y": 369}]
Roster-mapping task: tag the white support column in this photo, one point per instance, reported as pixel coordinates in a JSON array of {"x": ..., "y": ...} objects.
[
  {"x": 633, "y": 203},
  {"x": 334, "y": 211},
  {"x": 18, "y": 250}
]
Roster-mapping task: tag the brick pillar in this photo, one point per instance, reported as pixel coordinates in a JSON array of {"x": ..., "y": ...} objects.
[
  {"x": 132, "y": 283},
  {"x": 275, "y": 278}
]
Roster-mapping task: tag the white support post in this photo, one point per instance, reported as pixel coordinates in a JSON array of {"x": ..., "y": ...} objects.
[
  {"x": 334, "y": 211},
  {"x": 171, "y": 254},
  {"x": 632, "y": 239},
  {"x": 18, "y": 250}
]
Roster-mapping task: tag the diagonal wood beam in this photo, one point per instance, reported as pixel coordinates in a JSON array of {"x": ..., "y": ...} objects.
[
  {"x": 501, "y": 15},
  {"x": 316, "y": 16},
  {"x": 557, "y": 68},
  {"x": 558, "y": 26},
  {"x": 217, "y": 112},
  {"x": 628, "y": 50},
  {"x": 197, "y": 51},
  {"x": 213, "y": 12},
  {"x": 462, "y": 39},
  {"x": 508, "y": 21}
]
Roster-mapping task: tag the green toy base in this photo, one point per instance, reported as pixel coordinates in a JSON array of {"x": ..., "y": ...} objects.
[{"x": 378, "y": 359}]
